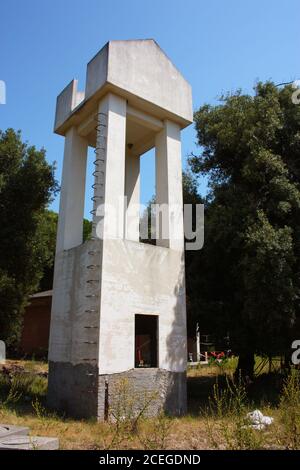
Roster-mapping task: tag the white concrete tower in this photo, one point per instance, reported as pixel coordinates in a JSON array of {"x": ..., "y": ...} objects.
[{"x": 119, "y": 305}]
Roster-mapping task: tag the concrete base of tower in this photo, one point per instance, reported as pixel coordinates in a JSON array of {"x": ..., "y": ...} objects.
[
  {"x": 72, "y": 389},
  {"x": 78, "y": 391}
]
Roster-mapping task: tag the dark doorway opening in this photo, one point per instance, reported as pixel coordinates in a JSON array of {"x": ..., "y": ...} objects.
[{"x": 146, "y": 343}]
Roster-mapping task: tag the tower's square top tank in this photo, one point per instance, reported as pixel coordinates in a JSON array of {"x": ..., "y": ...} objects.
[{"x": 139, "y": 71}]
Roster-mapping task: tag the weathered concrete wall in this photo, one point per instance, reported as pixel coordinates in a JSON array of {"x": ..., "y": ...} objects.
[
  {"x": 79, "y": 391},
  {"x": 72, "y": 389},
  {"x": 70, "y": 340},
  {"x": 154, "y": 390},
  {"x": 96, "y": 72},
  {"x": 136, "y": 279},
  {"x": 141, "y": 279},
  {"x": 143, "y": 69},
  {"x": 66, "y": 101}
]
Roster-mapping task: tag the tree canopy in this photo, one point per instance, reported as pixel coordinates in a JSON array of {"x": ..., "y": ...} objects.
[
  {"x": 27, "y": 185},
  {"x": 246, "y": 279}
]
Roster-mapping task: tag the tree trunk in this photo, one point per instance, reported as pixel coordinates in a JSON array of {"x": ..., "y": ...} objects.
[
  {"x": 245, "y": 366},
  {"x": 287, "y": 361}
]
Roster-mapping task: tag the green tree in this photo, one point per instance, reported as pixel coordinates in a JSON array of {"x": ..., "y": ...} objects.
[
  {"x": 249, "y": 281},
  {"x": 27, "y": 185}
]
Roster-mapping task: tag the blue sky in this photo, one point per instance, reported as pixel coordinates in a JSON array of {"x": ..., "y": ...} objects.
[{"x": 218, "y": 46}]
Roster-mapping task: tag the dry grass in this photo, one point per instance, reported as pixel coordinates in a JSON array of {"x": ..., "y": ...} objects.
[
  {"x": 30, "y": 366},
  {"x": 189, "y": 432},
  {"x": 185, "y": 433}
]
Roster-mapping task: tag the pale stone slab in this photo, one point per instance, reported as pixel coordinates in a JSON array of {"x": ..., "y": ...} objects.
[
  {"x": 8, "y": 430},
  {"x": 29, "y": 443}
]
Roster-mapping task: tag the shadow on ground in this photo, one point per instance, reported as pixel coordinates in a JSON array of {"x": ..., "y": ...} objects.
[{"x": 264, "y": 390}]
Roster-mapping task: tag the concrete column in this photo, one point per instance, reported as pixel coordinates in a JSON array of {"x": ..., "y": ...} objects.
[
  {"x": 132, "y": 192},
  {"x": 111, "y": 226},
  {"x": 169, "y": 186},
  {"x": 71, "y": 206}
]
